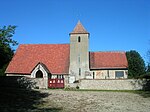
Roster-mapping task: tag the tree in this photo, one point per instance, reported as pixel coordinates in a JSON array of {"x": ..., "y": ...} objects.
[
  {"x": 148, "y": 68},
  {"x": 136, "y": 65},
  {"x": 148, "y": 57},
  {"x": 6, "y": 41}
]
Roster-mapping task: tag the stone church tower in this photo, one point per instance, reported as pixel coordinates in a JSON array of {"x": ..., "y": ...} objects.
[{"x": 79, "y": 53}]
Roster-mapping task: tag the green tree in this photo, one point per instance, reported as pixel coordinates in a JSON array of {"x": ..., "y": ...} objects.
[
  {"x": 6, "y": 41},
  {"x": 148, "y": 68},
  {"x": 136, "y": 64},
  {"x": 148, "y": 57}
]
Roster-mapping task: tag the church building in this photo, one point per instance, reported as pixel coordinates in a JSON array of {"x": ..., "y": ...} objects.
[{"x": 71, "y": 62}]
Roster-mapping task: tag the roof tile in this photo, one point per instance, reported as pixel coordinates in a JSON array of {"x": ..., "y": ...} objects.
[
  {"x": 103, "y": 60},
  {"x": 56, "y": 58},
  {"x": 27, "y": 56}
]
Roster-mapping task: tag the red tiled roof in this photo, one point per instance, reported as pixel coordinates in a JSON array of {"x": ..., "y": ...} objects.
[
  {"x": 54, "y": 56},
  {"x": 106, "y": 60},
  {"x": 79, "y": 29}
]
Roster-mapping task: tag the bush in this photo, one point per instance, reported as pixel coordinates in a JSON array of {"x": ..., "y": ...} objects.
[
  {"x": 69, "y": 88},
  {"x": 146, "y": 76},
  {"x": 77, "y": 87},
  {"x": 77, "y": 81}
]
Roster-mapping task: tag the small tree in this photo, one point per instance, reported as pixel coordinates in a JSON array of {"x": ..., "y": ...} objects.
[
  {"x": 136, "y": 64},
  {"x": 6, "y": 41}
]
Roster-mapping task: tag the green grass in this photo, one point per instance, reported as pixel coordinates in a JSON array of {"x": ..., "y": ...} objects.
[
  {"x": 97, "y": 90},
  {"x": 144, "y": 94}
]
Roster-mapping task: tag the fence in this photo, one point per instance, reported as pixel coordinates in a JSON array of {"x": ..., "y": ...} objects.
[{"x": 55, "y": 83}]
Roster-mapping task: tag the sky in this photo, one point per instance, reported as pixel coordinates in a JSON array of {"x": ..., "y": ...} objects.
[{"x": 114, "y": 25}]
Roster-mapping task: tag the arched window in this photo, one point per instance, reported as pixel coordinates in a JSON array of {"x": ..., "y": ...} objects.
[
  {"x": 39, "y": 74},
  {"x": 79, "y": 39}
]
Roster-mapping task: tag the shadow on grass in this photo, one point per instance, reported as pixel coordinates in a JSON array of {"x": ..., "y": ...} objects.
[
  {"x": 145, "y": 92},
  {"x": 17, "y": 99}
]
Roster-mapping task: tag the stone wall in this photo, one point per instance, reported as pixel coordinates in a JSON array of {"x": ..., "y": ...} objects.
[
  {"x": 116, "y": 84},
  {"x": 17, "y": 82},
  {"x": 40, "y": 83},
  {"x": 26, "y": 79}
]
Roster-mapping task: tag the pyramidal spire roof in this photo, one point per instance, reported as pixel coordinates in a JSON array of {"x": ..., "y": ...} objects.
[{"x": 79, "y": 29}]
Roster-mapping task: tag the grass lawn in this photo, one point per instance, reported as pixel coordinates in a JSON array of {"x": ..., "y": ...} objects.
[{"x": 145, "y": 94}]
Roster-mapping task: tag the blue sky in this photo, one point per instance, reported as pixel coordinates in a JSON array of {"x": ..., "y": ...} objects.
[{"x": 114, "y": 25}]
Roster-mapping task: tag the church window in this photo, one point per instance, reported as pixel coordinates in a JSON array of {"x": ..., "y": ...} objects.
[
  {"x": 93, "y": 75},
  {"x": 107, "y": 73},
  {"x": 60, "y": 76},
  {"x": 79, "y": 71},
  {"x": 79, "y": 39},
  {"x": 39, "y": 74},
  {"x": 79, "y": 58},
  {"x": 119, "y": 74}
]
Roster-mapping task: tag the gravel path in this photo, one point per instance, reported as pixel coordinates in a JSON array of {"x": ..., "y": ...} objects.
[{"x": 90, "y": 101}]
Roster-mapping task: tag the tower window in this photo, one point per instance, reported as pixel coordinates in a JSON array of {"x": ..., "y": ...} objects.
[
  {"x": 107, "y": 73},
  {"x": 79, "y": 71},
  {"x": 79, "y": 39},
  {"x": 79, "y": 58}
]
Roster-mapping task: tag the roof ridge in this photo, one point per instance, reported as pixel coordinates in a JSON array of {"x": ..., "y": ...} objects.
[
  {"x": 46, "y": 44},
  {"x": 107, "y": 51}
]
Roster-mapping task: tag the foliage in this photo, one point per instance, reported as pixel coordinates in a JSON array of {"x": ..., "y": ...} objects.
[
  {"x": 136, "y": 64},
  {"x": 16, "y": 97},
  {"x": 145, "y": 76},
  {"x": 70, "y": 89},
  {"x": 148, "y": 69},
  {"x": 6, "y": 41},
  {"x": 2, "y": 70},
  {"x": 77, "y": 87},
  {"x": 148, "y": 56}
]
